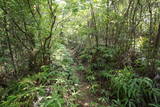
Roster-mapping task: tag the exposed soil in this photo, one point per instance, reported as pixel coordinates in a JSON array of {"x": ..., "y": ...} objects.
[{"x": 86, "y": 99}]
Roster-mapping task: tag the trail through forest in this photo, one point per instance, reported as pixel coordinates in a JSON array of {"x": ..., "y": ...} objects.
[
  {"x": 86, "y": 98},
  {"x": 80, "y": 53}
]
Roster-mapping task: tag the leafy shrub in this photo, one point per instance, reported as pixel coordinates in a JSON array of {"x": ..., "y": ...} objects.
[
  {"x": 50, "y": 86},
  {"x": 129, "y": 91},
  {"x": 99, "y": 58},
  {"x": 124, "y": 87}
]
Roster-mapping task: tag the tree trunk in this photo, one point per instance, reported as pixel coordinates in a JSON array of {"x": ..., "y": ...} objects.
[
  {"x": 155, "y": 51},
  {"x": 95, "y": 26},
  {"x": 8, "y": 40}
]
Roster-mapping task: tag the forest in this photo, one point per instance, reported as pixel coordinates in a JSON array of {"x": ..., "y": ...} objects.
[{"x": 79, "y": 53}]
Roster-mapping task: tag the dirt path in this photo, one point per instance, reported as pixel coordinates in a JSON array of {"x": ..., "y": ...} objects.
[{"x": 85, "y": 99}]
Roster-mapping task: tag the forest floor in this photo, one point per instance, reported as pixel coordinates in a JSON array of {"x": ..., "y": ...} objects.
[
  {"x": 86, "y": 98},
  {"x": 76, "y": 90}
]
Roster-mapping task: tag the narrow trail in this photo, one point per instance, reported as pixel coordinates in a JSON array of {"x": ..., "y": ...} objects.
[{"x": 86, "y": 99}]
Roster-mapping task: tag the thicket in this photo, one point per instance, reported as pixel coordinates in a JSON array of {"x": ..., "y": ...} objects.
[
  {"x": 121, "y": 86},
  {"x": 115, "y": 42}
]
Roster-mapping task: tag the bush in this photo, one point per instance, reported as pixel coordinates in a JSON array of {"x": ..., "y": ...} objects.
[{"x": 129, "y": 91}]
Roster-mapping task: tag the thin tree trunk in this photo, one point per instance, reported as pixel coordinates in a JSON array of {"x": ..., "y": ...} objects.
[
  {"x": 155, "y": 49},
  {"x": 95, "y": 26},
  {"x": 8, "y": 40}
]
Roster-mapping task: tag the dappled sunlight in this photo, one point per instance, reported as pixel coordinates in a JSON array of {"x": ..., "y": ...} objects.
[
  {"x": 79, "y": 53},
  {"x": 140, "y": 42}
]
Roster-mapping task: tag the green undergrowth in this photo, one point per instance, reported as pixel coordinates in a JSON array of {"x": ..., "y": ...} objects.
[
  {"x": 119, "y": 87},
  {"x": 54, "y": 87}
]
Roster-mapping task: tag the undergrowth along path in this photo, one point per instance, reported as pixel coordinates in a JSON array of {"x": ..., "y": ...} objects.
[{"x": 86, "y": 98}]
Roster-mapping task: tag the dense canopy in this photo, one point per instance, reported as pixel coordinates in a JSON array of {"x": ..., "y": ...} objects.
[{"x": 79, "y": 53}]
